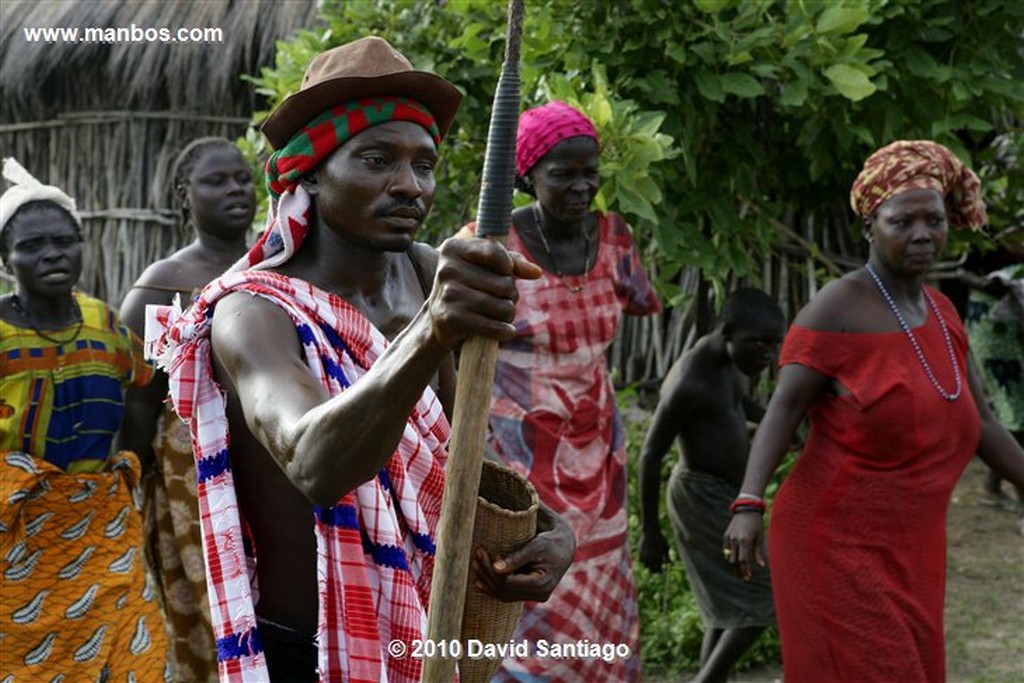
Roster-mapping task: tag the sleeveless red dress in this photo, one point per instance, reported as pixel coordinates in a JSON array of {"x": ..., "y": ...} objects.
[{"x": 857, "y": 538}]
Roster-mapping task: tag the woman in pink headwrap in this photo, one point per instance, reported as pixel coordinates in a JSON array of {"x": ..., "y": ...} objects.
[
  {"x": 553, "y": 412},
  {"x": 879, "y": 361}
]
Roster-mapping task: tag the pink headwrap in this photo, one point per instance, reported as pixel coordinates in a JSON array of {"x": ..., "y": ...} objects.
[
  {"x": 920, "y": 165},
  {"x": 543, "y": 127}
]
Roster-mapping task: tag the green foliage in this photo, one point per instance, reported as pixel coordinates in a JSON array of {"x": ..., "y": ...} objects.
[
  {"x": 718, "y": 118},
  {"x": 464, "y": 41},
  {"x": 670, "y": 624}
]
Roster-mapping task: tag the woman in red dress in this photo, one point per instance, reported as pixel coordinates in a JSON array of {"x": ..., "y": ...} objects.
[{"x": 879, "y": 362}]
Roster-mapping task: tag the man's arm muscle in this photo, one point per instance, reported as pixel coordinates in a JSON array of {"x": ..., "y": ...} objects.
[{"x": 325, "y": 446}]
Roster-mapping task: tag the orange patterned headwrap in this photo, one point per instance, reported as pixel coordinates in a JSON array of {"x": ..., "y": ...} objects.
[{"x": 920, "y": 165}]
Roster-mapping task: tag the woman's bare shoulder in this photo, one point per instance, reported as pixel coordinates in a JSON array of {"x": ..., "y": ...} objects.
[
  {"x": 839, "y": 306},
  {"x": 177, "y": 272}
]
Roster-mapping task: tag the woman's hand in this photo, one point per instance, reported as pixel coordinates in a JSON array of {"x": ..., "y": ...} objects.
[
  {"x": 533, "y": 571},
  {"x": 742, "y": 544}
]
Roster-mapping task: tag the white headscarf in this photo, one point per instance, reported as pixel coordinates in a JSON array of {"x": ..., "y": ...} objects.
[{"x": 25, "y": 189}]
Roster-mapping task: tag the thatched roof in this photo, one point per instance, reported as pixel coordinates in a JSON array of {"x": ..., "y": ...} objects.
[{"x": 41, "y": 79}]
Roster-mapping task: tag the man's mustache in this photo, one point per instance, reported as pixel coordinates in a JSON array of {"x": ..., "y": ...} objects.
[{"x": 410, "y": 208}]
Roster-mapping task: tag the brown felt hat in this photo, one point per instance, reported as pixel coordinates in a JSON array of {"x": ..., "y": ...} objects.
[{"x": 366, "y": 67}]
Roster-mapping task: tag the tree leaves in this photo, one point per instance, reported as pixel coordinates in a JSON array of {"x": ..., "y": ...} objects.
[
  {"x": 851, "y": 83},
  {"x": 842, "y": 17},
  {"x": 707, "y": 106},
  {"x": 794, "y": 93},
  {"x": 741, "y": 84},
  {"x": 709, "y": 86}
]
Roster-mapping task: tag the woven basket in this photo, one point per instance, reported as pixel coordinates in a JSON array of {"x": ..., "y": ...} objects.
[{"x": 506, "y": 518}]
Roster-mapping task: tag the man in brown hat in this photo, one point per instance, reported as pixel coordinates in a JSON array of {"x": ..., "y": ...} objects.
[{"x": 316, "y": 377}]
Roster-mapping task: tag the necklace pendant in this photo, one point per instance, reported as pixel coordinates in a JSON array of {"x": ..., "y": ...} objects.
[{"x": 551, "y": 257}]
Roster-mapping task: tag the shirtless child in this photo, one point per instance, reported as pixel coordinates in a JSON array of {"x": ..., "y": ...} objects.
[{"x": 704, "y": 402}]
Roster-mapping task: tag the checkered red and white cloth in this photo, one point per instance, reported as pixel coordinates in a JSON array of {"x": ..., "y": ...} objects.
[{"x": 375, "y": 546}]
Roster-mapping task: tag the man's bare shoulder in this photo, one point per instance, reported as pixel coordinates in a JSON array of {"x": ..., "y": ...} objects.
[
  {"x": 250, "y": 327},
  {"x": 426, "y": 257}
]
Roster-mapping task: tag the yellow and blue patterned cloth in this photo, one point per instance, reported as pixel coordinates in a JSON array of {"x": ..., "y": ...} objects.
[
  {"x": 77, "y": 604},
  {"x": 63, "y": 402}
]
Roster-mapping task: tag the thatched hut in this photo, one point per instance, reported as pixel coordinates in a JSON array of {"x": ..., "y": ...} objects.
[{"x": 104, "y": 119}]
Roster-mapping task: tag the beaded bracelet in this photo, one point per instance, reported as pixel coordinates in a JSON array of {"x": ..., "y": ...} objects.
[{"x": 748, "y": 505}]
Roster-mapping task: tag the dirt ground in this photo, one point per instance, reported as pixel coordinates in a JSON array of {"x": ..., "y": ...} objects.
[
  {"x": 984, "y": 592},
  {"x": 984, "y": 587}
]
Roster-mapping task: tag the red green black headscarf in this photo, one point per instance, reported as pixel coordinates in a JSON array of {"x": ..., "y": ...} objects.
[
  {"x": 289, "y": 214},
  {"x": 315, "y": 141}
]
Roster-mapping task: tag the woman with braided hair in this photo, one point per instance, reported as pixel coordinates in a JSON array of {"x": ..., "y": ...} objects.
[
  {"x": 214, "y": 195},
  {"x": 879, "y": 362}
]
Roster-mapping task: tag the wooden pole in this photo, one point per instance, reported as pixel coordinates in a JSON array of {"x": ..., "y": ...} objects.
[{"x": 477, "y": 361}]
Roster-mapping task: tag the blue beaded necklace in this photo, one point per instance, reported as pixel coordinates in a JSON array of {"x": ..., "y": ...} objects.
[{"x": 913, "y": 340}]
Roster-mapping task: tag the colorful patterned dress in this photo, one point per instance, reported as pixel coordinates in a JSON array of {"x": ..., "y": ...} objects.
[
  {"x": 76, "y": 599},
  {"x": 63, "y": 402},
  {"x": 174, "y": 543},
  {"x": 554, "y": 419},
  {"x": 857, "y": 538}
]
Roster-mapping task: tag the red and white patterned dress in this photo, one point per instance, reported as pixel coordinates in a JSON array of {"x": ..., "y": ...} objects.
[{"x": 554, "y": 418}]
